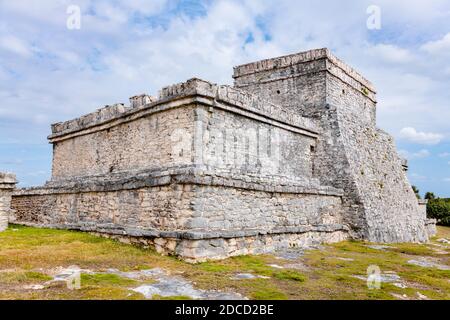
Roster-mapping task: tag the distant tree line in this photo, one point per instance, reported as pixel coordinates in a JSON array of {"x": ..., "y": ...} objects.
[{"x": 437, "y": 208}]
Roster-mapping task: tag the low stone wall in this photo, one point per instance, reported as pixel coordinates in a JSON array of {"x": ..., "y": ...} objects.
[
  {"x": 7, "y": 184},
  {"x": 192, "y": 216}
]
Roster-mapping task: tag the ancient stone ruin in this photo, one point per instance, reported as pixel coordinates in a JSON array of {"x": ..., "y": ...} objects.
[
  {"x": 7, "y": 184},
  {"x": 288, "y": 156}
]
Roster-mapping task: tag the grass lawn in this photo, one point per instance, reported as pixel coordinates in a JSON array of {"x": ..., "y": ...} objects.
[{"x": 30, "y": 258}]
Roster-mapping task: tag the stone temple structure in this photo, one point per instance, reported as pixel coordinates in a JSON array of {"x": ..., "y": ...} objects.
[{"x": 288, "y": 156}]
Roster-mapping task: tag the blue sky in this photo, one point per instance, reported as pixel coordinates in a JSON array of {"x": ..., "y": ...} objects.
[{"x": 49, "y": 73}]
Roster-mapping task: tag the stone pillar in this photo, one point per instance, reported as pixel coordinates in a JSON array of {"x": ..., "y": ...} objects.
[
  {"x": 430, "y": 224},
  {"x": 7, "y": 184},
  {"x": 423, "y": 206}
]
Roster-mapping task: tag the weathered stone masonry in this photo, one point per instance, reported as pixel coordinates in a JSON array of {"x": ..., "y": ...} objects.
[
  {"x": 7, "y": 184},
  {"x": 289, "y": 156}
]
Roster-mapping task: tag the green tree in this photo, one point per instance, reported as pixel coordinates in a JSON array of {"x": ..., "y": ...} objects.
[
  {"x": 430, "y": 196},
  {"x": 439, "y": 209},
  {"x": 416, "y": 191}
]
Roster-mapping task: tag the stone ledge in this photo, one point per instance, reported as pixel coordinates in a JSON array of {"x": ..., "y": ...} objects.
[
  {"x": 114, "y": 229},
  {"x": 194, "y": 175}
]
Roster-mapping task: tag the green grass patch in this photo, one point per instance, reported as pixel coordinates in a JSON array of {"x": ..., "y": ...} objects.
[
  {"x": 19, "y": 277},
  {"x": 105, "y": 279},
  {"x": 289, "y": 275},
  {"x": 269, "y": 295},
  {"x": 158, "y": 297}
]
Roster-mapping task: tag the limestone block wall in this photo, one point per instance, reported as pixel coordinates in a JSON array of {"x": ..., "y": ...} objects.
[
  {"x": 7, "y": 184},
  {"x": 145, "y": 143},
  {"x": 234, "y": 143},
  {"x": 390, "y": 209},
  {"x": 211, "y": 219},
  {"x": 200, "y": 164},
  {"x": 351, "y": 152},
  {"x": 179, "y": 207},
  {"x": 159, "y": 208}
]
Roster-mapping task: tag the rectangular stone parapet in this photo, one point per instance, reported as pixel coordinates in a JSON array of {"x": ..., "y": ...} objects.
[
  {"x": 7, "y": 184},
  {"x": 193, "y": 90},
  {"x": 333, "y": 65}
]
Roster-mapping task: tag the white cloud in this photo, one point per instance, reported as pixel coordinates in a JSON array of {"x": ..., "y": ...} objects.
[
  {"x": 447, "y": 179},
  {"x": 417, "y": 177},
  {"x": 444, "y": 154},
  {"x": 423, "y": 153},
  {"x": 441, "y": 46},
  {"x": 412, "y": 135},
  {"x": 391, "y": 53},
  {"x": 14, "y": 45}
]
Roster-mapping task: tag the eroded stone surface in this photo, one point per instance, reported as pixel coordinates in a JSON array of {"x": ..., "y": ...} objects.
[
  {"x": 387, "y": 277},
  {"x": 378, "y": 247},
  {"x": 7, "y": 184},
  {"x": 428, "y": 263},
  {"x": 242, "y": 276},
  {"x": 166, "y": 284},
  {"x": 169, "y": 285}
]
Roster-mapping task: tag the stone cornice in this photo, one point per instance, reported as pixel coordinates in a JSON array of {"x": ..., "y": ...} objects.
[
  {"x": 180, "y": 95},
  {"x": 194, "y": 175},
  {"x": 334, "y": 65}
]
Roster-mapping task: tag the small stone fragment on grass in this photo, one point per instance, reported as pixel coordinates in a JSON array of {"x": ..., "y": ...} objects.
[
  {"x": 289, "y": 254},
  {"x": 422, "y": 296},
  {"x": 378, "y": 247},
  {"x": 426, "y": 263},
  {"x": 276, "y": 266},
  {"x": 438, "y": 251},
  {"x": 34, "y": 287},
  {"x": 243, "y": 276},
  {"x": 240, "y": 276},
  {"x": 345, "y": 259},
  {"x": 387, "y": 277},
  {"x": 168, "y": 286},
  {"x": 443, "y": 240},
  {"x": 297, "y": 266},
  {"x": 400, "y": 296},
  {"x": 136, "y": 275}
]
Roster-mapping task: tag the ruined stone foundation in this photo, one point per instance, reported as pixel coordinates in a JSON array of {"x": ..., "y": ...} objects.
[{"x": 289, "y": 156}]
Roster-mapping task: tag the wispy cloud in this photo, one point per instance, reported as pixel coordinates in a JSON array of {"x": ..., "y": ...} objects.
[
  {"x": 417, "y": 177},
  {"x": 15, "y": 45},
  {"x": 441, "y": 46},
  {"x": 420, "y": 137},
  {"x": 423, "y": 153}
]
